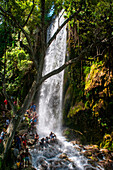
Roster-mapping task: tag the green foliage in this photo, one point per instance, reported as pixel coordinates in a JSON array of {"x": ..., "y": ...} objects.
[
  {"x": 95, "y": 70},
  {"x": 87, "y": 105},
  {"x": 76, "y": 109},
  {"x": 91, "y": 33},
  {"x": 17, "y": 64},
  {"x": 23, "y": 18},
  {"x": 87, "y": 70},
  {"x": 90, "y": 36},
  {"x": 107, "y": 142},
  {"x": 24, "y": 65},
  {"x": 67, "y": 132},
  {"x": 5, "y": 38}
]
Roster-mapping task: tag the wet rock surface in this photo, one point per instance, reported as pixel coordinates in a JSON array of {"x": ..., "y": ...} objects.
[
  {"x": 63, "y": 155},
  {"x": 96, "y": 156}
]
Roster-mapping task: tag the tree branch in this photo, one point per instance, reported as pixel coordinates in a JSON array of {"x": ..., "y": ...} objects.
[
  {"x": 56, "y": 71},
  {"x": 36, "y": 84},
  {"x": 60, "y": 27},
  {"x": 29, "y": 14}
]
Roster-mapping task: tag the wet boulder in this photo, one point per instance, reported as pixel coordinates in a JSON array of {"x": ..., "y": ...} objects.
[
  {"x": 78, "y": 148},
  {"x": 63, "y": 156}
]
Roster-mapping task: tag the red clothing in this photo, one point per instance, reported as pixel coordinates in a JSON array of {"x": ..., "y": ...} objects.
[
  {"x": 25, "y": 143},
  {"x": 5, "y": 102},
  {"x": 15, "y": 102}
]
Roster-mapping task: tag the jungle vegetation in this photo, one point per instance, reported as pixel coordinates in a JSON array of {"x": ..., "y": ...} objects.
[{"x": 88, "y": 82}]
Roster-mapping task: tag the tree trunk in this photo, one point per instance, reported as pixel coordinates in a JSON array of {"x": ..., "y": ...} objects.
[{"x": 16, "y": 120}]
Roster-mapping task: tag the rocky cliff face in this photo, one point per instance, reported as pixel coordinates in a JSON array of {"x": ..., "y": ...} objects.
[{"x": 88, "y": 99}]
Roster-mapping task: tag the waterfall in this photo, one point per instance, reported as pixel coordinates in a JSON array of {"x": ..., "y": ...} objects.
[
  {"x": 56, "y": 154},
  {"x": 50, "y": 99}
]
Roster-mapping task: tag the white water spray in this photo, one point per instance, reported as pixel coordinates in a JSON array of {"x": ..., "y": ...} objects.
[{"x": 50, "y": 100}]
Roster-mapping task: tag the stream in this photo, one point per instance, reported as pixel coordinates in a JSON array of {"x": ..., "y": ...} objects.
[{"x": 60, "y": 155}]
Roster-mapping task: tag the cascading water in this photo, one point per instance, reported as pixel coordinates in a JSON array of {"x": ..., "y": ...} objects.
[
  {"x": 59, "y": 155},
  {"x": 50, "y": 101}
]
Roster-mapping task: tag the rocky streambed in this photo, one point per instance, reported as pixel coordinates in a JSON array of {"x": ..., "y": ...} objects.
[
  {"x": 96, "y": 156},
  {"x": 63, "y": 155}
]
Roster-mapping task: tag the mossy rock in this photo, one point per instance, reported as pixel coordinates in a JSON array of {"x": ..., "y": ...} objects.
[{"x": 72, "y": 135}]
